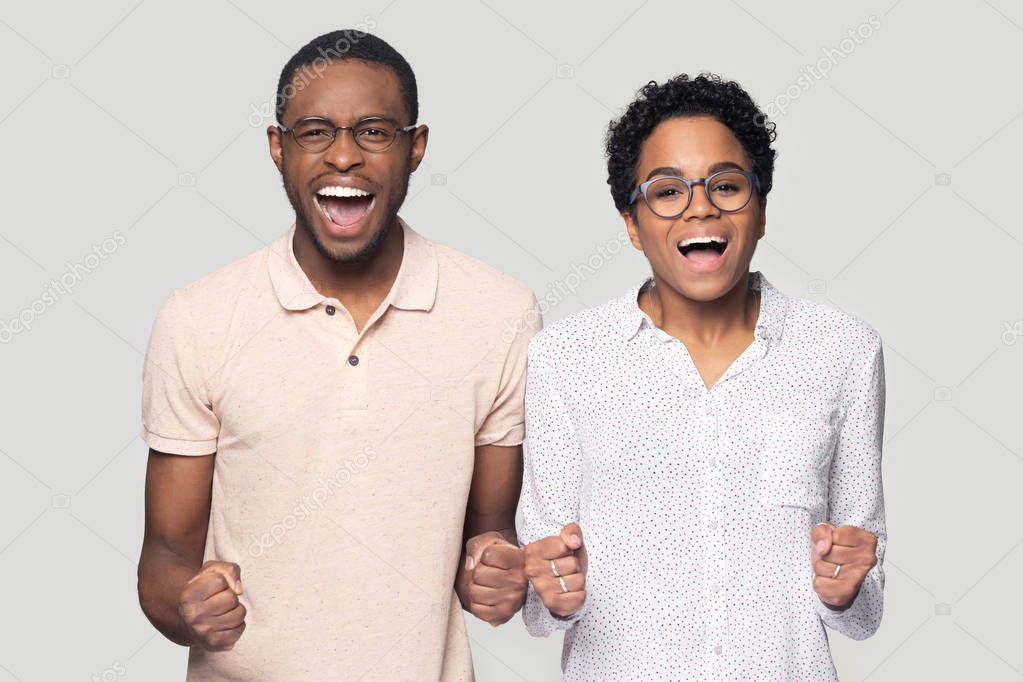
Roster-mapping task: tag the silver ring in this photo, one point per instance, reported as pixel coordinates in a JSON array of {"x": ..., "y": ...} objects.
[
  {"x": 554, "y": 569},
  {"x": 838, "y": 570},
  {"x": 564, "y": 587}
]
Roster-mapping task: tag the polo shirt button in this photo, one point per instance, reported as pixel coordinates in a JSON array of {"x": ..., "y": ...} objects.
[
  {"x": 717, "y": 649},
  {"x": 353, "y": 360},
  {"x": 331, "y": 310}
]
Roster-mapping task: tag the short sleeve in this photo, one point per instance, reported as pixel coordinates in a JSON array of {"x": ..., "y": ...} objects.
[
  {"x": 505, "y": 422},
  {"x": 177, "y": 415}
]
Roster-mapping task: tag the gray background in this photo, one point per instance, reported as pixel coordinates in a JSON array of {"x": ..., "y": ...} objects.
[{"x": 136, "y": 161}]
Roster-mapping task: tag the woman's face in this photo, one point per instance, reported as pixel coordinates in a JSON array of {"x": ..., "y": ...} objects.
[{"x": 695, "y": 147}]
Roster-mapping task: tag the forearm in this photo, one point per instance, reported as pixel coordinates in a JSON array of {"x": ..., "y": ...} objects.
[
  {"x": 162, "y": 576},
  {"x": 462, "y": 580}
]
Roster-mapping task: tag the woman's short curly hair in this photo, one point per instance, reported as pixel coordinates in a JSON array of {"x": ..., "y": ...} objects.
[{"x": 707, "y": 94}]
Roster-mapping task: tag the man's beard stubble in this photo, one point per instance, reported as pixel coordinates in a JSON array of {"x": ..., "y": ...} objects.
[{"x": 366, "y": 253}]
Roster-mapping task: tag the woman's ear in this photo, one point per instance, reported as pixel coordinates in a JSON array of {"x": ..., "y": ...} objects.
[
  {"x": 762, "y": 227},
  {"x": 633, "y": 229}
]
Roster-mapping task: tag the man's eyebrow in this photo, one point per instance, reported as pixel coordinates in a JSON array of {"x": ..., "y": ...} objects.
[
  {"x": 676, "y": 171},
  {"x": 368, "y": 117}
]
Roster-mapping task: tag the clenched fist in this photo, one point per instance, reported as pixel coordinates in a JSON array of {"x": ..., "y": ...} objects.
[
  {"x": 556, "y": 566},
  {"x": 842, "y": 556},
  {"x": 497, "y": 585},
  {"x": 210, "y": 609}
]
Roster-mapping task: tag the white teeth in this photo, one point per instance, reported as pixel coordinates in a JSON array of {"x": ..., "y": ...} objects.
[
  {"x": 702, "y": 240},
  {"x": 342, "y": 192},
  {"x": 323, "y": 210}
]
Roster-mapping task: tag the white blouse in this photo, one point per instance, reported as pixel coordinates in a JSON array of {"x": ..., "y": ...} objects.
[{"x": 696, "y": 505}]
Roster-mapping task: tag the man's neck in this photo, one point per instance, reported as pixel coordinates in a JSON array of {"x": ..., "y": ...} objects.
[
  {"x": 703, "y": 322},
  {"x": 360, "y": 287}
]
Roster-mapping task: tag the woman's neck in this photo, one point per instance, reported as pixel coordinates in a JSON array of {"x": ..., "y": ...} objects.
[{"x": 703, "y": 322}]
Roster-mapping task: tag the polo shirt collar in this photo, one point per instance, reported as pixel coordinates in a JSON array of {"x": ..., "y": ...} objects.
[
  {"x": 770, "y": 323},
  {"x": 414, "y": 288}
]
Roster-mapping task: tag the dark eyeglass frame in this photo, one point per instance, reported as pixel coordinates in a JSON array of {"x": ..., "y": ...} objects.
[
  {"x": 754, "y": 184},
  {"x": 338, "y": 129}
]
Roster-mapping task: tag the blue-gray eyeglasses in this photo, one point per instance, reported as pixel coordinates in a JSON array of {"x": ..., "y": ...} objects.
[{"x": 669, "y": 196}]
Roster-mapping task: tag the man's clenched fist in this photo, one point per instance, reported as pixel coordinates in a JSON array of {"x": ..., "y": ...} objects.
[
  {"x": 497, "y": 584},
  {"x": 851, "y": 548},
  {"x": 556, "y": 566},
  {"x": 210, "y": 609}
]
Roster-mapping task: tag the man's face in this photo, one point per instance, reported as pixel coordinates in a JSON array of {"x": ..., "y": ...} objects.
[
  {"x": 347, "y": 229},
  {"x": 695, "y": 147}
]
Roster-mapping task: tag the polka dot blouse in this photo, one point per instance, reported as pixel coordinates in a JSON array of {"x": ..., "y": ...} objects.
[{"x": 696, "y": 505}]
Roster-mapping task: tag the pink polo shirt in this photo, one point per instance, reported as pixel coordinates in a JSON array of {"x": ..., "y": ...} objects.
[{"x": 343, "y": 459}]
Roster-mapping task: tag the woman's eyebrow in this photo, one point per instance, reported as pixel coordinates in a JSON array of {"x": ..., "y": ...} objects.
[
  {"x": 724, "y": 165},
  {"x": 665, "y": 170},
  {"x": 676, "y": 171}
]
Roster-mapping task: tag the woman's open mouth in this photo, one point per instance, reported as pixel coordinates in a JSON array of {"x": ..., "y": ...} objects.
[
  {"x": 344, "y": 208},
  {"x": 703, "y": 254}
]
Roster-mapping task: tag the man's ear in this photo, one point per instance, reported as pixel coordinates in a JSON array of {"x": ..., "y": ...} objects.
[
  {"x": 632, "y": 228},
  {"x": 273, "y": 138},
  {"x": 418, "y": 150}
]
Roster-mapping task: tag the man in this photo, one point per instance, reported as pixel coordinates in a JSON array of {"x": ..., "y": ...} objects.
[
  {"x": 702, "y": 488},
  {"x": 330, "y": 414}
]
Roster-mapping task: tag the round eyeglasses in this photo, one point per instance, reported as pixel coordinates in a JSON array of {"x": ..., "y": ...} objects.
[
  {"x": 669, "y": 196},
  {"x": 371, "y": 134}
]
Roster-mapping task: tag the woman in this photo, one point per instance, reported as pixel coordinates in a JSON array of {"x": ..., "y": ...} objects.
[{"x": 702, "y": 487}]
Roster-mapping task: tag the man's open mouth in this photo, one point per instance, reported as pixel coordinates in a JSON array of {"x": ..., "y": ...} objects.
[
  {"x": 702, "y": 249},
  {"x": 344, "y": 206}
]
